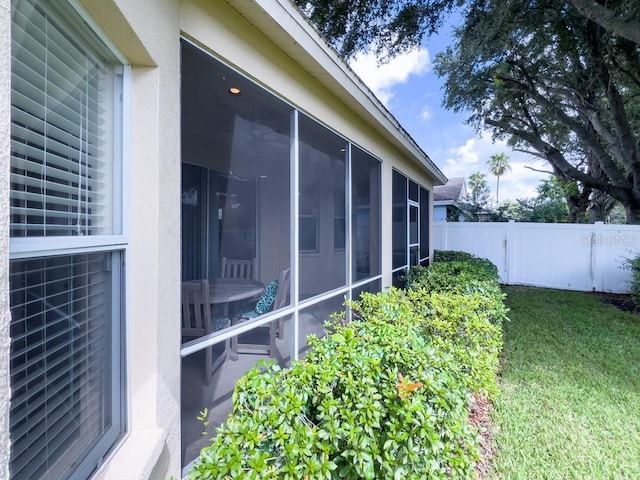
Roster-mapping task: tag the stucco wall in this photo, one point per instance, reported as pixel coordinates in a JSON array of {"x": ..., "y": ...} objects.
[{"x": 5, "y": 316}]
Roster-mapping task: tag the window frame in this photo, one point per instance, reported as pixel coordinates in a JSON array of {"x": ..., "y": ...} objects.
[
  {"x": 71, "y": 16},
  {"x": 421, "y": 216},
  {"x": 215, "y": 338}
]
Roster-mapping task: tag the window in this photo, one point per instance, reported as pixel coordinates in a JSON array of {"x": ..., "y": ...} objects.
[
  {"x": 322, "y": 196},
  {"x": 424, "y": 226},
  {"x": 66, "y": 168},
  {"x": 365, "y": 214},
  {"x": 399, "y": 220},
  {"x": 410, "y": 225}
]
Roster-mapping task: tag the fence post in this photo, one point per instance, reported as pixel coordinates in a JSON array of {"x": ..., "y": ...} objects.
[
  {"x": 509, "y": 253},
  {"x": 445, "y": 235},
  {"x": 596, "y": 240}
]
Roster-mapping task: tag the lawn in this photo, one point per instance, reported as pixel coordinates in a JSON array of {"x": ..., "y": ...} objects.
[{"x": 569, "y": 406}]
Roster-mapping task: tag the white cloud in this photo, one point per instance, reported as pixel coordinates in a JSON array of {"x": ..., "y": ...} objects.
[
  {"x": 426, "y": 114},
  {"x": 472, "y": 155},
  {"x": 382, "y": 78}
]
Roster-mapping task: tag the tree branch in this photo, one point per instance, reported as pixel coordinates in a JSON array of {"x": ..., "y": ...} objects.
[
  {"x": 606, "y": 162},
  {"x": 621, "y": 124},
  {"x": 608, "y": 19},
  {"x": 557, "y": 160},
  {"x": 538, "y": 170}
]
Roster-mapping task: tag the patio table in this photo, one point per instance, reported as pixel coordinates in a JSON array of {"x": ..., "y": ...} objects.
[{"x": 224, "y": 291}]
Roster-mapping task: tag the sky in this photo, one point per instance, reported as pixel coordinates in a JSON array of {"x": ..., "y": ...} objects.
[{"x": 412, "y": 92}]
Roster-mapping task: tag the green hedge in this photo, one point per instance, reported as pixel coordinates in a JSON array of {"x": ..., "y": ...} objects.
[
  {"x": 633, "y": 264},
  {"x": 385, "y": 396}
]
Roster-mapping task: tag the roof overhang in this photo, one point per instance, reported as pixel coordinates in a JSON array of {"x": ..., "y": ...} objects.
[
  {"x": 445, "y": 203},
  {"x": 292, "y": 32}
]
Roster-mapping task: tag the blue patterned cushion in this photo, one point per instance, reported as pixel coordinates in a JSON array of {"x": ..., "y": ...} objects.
[{"x": 265, "y": 302}]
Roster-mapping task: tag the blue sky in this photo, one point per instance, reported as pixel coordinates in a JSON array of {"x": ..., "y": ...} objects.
[{"x": 412, "y": 92}]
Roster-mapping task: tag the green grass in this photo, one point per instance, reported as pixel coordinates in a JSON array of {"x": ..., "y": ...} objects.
[{"x": 569, "y": 406}]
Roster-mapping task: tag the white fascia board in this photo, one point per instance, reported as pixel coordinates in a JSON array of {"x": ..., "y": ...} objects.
[
  {"x": 292, "y": 32},
  {"x": 443, "y": 203}
]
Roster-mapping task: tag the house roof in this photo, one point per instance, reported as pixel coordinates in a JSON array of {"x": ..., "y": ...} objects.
[
  {"x": 453, "y": 190},
  {"x": 293, "y": 33}
]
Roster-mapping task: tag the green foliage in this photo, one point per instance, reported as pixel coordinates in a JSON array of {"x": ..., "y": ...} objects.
[
  {"x": 452, "y": 255},
  {"x": 540, "y": 54},
  {"x": 633, "y": 264},
  {"x": 391, "y": 27},
  {"x": 385, "y": 396},
  {"x": 479, "y": 192},
  {"x": 535, "y": 210},
  {"x": 499, "y": 165},
  {"x": 452, "y": 270}
]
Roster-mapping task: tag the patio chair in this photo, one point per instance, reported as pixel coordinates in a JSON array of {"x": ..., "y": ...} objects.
[
  {"x": 197, "y": 322},
  {"x": 273, "y": 297},
  {"x": 238, "y": 269}
]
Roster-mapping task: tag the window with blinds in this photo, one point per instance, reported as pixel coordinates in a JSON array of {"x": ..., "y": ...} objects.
[
  {"x": 61, "y": 113},
  {"x": 67, "y": 402},
  {"x": 60, "y": 362}
]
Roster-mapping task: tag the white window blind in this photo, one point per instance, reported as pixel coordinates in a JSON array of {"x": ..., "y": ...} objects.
[
  {"x": 60, "y": 362},
  {"x": 61, "y": 118}
]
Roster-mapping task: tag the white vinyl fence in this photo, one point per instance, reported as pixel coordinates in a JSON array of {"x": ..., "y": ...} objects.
[{"x": 563, "y": 256}]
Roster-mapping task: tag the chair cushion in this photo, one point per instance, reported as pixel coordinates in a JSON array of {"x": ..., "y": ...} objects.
[{"x": 265, "y": 302}]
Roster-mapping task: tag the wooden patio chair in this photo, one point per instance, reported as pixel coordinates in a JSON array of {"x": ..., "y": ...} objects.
[
  {"x": 274, "y": 297},
  {"x": 238, "y": 269},
  {"x": 197, "y": 322}
]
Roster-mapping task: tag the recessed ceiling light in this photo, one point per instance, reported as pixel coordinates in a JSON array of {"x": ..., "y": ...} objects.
[{"x": 235, "y": 91}]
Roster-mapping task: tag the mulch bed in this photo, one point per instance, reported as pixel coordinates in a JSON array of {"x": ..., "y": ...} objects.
[
  {"x": 618, "y": 300},
  {"x": 480, "y": 419}
]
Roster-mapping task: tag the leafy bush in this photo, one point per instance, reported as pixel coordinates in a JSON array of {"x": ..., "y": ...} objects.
[
  {"x": 452, "y": 256},
  {"x": 633, "y": 264},
  {"x": 385, "y": 396},
  {"x": 465, "y": 325},
  {"x": 477, "y": 264},
  {"x": 372, "y": 400},
  {"x": 455, "y": 277}
]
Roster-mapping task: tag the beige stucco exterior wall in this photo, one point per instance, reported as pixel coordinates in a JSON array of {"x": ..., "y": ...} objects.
[
  {"x": 147, "y": 32},
  {"x": 5, "y": 316}
]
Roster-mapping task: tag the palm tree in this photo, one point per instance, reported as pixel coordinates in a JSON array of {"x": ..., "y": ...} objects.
[
  {"x": 499, "y": 165},
  {"x": 477, "y": 187}
]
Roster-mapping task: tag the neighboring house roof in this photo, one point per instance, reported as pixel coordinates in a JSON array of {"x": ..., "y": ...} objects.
[
  {"x": 454, "y": 190},
  {"x": 294, "y": 34}
]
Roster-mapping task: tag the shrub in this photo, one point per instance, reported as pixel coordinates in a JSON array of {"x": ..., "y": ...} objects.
[
  {"x": 467, "y": 326},
  {"x": 475, "y": 263},
  {"x": 452, "y": 263},
  {"x": 633, "y": 264},
  {"x": 455, "y": 276},
  {"x": 385, "y": 396},
  {"x": 452, "y": 256},
  {"x": 372, "y": 400}
]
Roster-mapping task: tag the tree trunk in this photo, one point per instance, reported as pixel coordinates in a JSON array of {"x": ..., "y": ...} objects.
[
  {"x": 633, "y": 214},
  {"x": 596, "y": 213}
]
